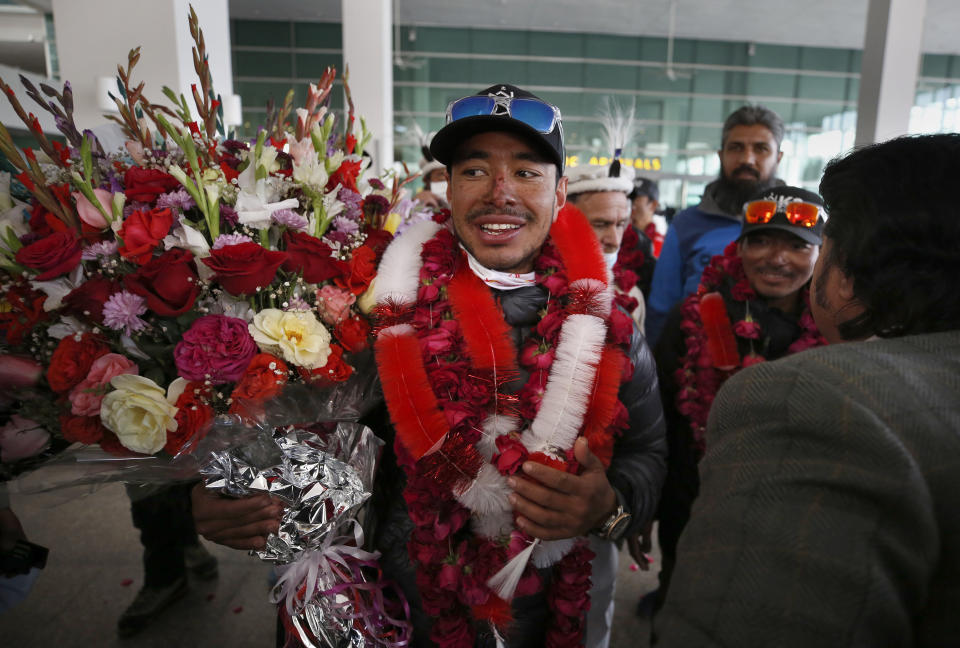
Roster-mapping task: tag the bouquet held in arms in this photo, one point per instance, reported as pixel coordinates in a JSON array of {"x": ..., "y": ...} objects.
[{"x": 181, "y": 285}]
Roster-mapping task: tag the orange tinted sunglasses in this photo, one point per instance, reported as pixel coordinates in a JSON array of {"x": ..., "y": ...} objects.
[{"x": 802, "y": 214}]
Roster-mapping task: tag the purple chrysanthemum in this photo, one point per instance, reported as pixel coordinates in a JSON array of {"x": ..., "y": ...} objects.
[
  {"x": 352, "y": 203},
  {"x": 289, "y": 218},
  {"x": 179, "y": 199},
  {"x": 345, "y": 225},
  {"x": 122, "y": 312},
  {"x": 99, "y": 249},
  {"x": 230, "y": 239}
]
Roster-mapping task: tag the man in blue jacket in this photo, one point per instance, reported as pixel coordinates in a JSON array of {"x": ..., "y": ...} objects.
[{"x": 749, "y": 155}]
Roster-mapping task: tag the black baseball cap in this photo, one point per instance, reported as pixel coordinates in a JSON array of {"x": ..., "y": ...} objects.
[
  {"x": 645, "y": 187},
  {"x": 782, "y": 196},
  {"x": 501, "y": 118}
]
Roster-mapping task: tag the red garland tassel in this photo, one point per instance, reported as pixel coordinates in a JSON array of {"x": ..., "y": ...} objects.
[
  {"x": 419, "y": 422},
  {"x": 578, "y": 246},
  {"x": 602, "y": 406},
  {"x": 721, "y": 343},
  {"x": 482, "y": 325}
]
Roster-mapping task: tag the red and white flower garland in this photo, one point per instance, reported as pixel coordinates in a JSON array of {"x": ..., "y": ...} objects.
[{"x": 445, "y": 355}]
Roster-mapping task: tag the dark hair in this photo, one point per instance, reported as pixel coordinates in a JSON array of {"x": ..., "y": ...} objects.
[
  {"x": 894, "y": 229},
  {"x": 751, "y": 115}
]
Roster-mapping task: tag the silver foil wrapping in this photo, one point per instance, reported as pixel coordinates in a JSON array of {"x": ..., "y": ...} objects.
[{"x": 323, "y": 473}]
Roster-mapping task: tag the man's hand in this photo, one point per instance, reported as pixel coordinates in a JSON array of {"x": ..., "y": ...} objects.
[
  {"x": 640, "y": 546},
  {"x": 553, "y": 504},
  {"x": 238, "y": 523}
]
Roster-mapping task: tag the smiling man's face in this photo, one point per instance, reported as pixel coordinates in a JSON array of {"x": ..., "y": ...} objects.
[{"x": 503, "y": 196}]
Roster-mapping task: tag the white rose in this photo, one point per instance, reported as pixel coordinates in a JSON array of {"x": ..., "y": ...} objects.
[
  {"x": 139, "y": 413},
  {"x": 298, "y": 336}
]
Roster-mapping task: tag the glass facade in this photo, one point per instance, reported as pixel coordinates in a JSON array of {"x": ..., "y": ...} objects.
[{"x": 680, "y": 105}]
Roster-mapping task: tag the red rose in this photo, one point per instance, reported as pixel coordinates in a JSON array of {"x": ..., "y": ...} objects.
[
  {"x": 169, "y": 282},
  {"x": 345, "y": 175},
  {"x": 264, "y": 378},
  {"x": 244, "y": 267},
  {"x": 87, "y": 299},
  {"x": 52, "y": 255},
  {"x": 144, "y": 185},
  {"x": 378, "y": 240},
  {"x": 549, "y": 326},
  {"x": 336, "y": 370},
  {"x": 621, "y": 327},
  {"x": 71, "y": 361},
  {"x": 451, "y": 631},
  {"x": 352, "y": 333},
  {"x": 511, "y": 453},
  {"x": 362, "y": 269},
  {"x": 81, "y": 429},
  {"x": 193, "y": 413},
  {"x": 142, "y": 232},
  {"x": 311, "y": 257}
]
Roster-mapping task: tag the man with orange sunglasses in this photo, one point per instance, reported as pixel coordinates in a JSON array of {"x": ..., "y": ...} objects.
[{"x": 760, "y": 286}]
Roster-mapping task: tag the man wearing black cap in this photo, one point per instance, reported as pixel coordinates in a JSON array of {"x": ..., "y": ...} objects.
[
  {"x": 504, "y": 152},
  {"x": 761, "y": 288},
  {"x": 514, "y": 430}
]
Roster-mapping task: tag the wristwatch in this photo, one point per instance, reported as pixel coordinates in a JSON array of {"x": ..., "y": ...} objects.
[{"x": 616, "y": 525}]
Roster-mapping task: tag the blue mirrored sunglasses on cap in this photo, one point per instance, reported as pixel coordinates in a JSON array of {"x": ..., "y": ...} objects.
[{"x": 538, "y": 115}]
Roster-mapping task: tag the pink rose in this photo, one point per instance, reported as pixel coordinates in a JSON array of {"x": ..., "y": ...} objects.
[
  {"x": 533, "y": 357},
  {"x": 333, "y": 304},
  {"x": 21, "y": 438},
  {"x": 86, "y": 397},
  {"x": 88, "y": 212},
  {"x": 215, "y": 347},
  {"x": 745, "y": 329},
  {"x": 510, "y": 455},
  {"x": 436, "y": 342}
]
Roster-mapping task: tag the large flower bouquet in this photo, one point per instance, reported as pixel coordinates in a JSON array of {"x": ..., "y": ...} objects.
[
  {"x": 187, "y": 283},
  {"x": 189, "y": 275}
]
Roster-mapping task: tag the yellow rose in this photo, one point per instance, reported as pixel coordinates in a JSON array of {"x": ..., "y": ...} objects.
[
  {"x": 298, "y": 336},
  {"x": 139, "y": 413}
]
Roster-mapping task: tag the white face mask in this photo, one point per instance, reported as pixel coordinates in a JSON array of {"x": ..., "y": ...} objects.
[
  {"x": 610, "y": 259},
  {"x": 439, "y": 188}
]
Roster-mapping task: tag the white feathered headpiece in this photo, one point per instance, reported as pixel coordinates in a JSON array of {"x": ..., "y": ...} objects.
[{"x": 619, "y": 127}]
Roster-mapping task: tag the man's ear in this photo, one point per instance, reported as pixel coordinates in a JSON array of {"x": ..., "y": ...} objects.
[
  {"x": 779, "y": 156},
  {"x": 845, "y": 286},
  {"x": 561, "y": 197}
]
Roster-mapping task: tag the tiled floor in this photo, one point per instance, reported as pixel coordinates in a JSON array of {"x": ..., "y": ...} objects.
[{"x": 94, "y": 572}]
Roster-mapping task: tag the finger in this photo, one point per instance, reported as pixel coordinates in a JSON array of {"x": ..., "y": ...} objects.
[
  {"x": 543, "y": 532},
  {"x": 241, "y": 534},
  {"x": 550, "y": 477},
  {"x": 635, "y": 552},
  {"x": 270, "y": 513},
  {"x": 536, "y": 513},
  {"x": 536, "y": 492},
  {"x": 589, "y": 461}
]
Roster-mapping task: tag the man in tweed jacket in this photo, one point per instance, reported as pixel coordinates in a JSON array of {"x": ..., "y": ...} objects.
[{"x": 830, "y": 507}]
